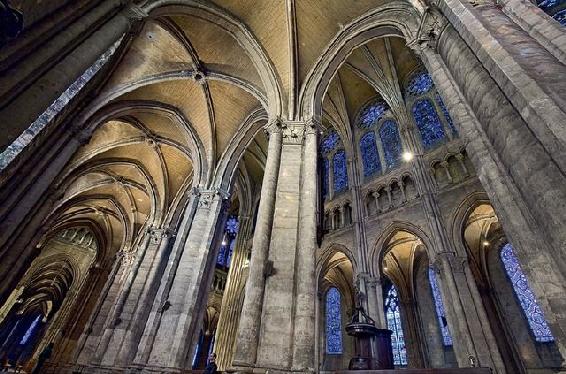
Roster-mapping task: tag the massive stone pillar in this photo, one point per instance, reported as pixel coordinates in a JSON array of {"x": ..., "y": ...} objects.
[
  {"x": 530, "y": 109},
  {"x": 233, "y": 298},
  {"x": 25, "y": 94},
  {"x": 285, "y": 289},
  {"x": 523, "y": 181},
  {"x": 250, "y": 320},
  {"x": 171, "y": 330}
]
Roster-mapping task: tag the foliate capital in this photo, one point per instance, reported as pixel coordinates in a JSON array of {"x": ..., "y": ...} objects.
[{"x": 431, "y": 27}]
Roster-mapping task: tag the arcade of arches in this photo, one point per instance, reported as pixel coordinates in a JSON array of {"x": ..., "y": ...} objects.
[{"x": 183, "y": 177}]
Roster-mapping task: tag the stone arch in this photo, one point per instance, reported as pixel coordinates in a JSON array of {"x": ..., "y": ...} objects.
[
  {"x": 459, "y": 217},
  {"x": 380, "y": 22},
  {"x": 378, "y": 250},
  {"x": 245, "y": 37}
]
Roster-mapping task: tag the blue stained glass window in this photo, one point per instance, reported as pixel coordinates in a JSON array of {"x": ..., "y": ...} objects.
[
  {"x": 333, "y": 322},
  {"x": 440, "y": 313},
  {"x": 531, "y": 308},
  {"x": 389, "y": 134},
  {"x": 30, "y": 329},
  {"x": 421, "y": 83},
  {"x": 10, "y": 153},
  {"x": 325, "y": 167},
  {"x": 229, "y": 241},
  {"x": 232, "y": 226},
  {"x": 371, "y": 114},
  {"x": 393, "y": 317},
  {"x": 560, "y": 17},
  {"x": 446, "y": 115},
  {"x": 428, "y": 123},
  {"x": 329, "y": 142},
  {"x": 370, "y": 156},
  {"x": 547, "y": 4},
  {"x": 340, "y": 172}
]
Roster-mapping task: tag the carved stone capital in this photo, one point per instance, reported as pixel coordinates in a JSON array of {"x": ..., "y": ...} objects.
[
  {"x": 206, "y": 197},
  {"x": 431, "y": 27},
  {"x": 135, "y": 13},
  {"x": 293, "y": 132},
  {"x": 274, "y": 126}
]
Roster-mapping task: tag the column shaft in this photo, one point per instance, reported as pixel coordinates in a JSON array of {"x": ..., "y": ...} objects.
[{"x": 250, "y": 320}]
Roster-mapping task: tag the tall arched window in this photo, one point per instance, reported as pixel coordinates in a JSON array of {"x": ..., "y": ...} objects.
[
  {"x": 389, "y": 134},
  {"x": 324, "y": 176},
  {"x": 446, "y": 114},
  {"x": 393, "y": 317},
  {"x": 439, "y": 305},
  {"x": 370, "y": 156},
  {"x": 428, "y": 123},
  {"x": 340, "y": 172},
  {"x": 533, "y": 312},
  {"x": 333, "y": 322},
  {"x": 228, "y": 242}
]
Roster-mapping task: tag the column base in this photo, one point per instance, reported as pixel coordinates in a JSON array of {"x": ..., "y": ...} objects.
[{"x": 96, "y": 369}]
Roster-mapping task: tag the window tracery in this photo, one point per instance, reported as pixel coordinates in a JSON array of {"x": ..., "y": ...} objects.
[
  {"x": 340, "y": 172},
  {"x": 333, "y": 322},
  {"x": 420, "y": 84},
  {"x": 531, "y": 308},
  {"x": 391, "y": 141},
  {"x": 393, "y": 317},
  {"x": 371, "y": 114},
  {"x": 370, "y": 155},
  {"x": 439, "y": 306}
]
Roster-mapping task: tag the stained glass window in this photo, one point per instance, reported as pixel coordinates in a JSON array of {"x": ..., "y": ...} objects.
[
  {"x": 370, "y": 156},
  {"x": 446, "y": 114},
  {"x": 329, "y": 142},
  {"x": 325, "y": 167},
  {"x": 333, "y": 322},
  {"x": 389, "y": 134},
  {"x": 554, "y": 8},
  {"x": 421, "y": 83},
  {"x": 46, "y": 117},
  {"x": 229, "y": 241},
  {"x": 440, "y": 314},
  {"x": 393, "y": 316},
  {"x": 30, "y": 330},
  {"x": 531, "y": 308},
  {"x": 340, "y": 172},
  {"x": 428, "y": 123},
  {"x": 372, "y": 114}
]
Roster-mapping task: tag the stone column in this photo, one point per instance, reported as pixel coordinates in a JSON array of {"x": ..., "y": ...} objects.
[
  {"x": 304, "y": 329},
  {"x": 250, "y": 320},
  {"x": 233, "y": 298},
  {"x": 375, "y": 302},
  {"x": 529, "y": 79},
  {"x": 33, "y": 97},
  {"x": 519, "y": 176},
  {"x": 172, "y": 327}
]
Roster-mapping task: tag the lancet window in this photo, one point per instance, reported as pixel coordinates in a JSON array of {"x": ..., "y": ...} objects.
[
  {"x": 429, "y": 111},
  {"x": 370, "y": 156},
  {"x": 333, "y": 322},
  {"x": 340, "y": 172},
  {"x": 391, "y": 141},
  {"x": 393, "y": 317},
  {"x": 439, "y": 306},
  {"x": 531, "y": 308},
  {"x": 334, "y": 171},
  {"x": 228, "y": 242}
]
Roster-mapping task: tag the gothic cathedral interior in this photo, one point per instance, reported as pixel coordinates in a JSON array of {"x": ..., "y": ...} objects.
[{"x": 283, "y": 186}]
